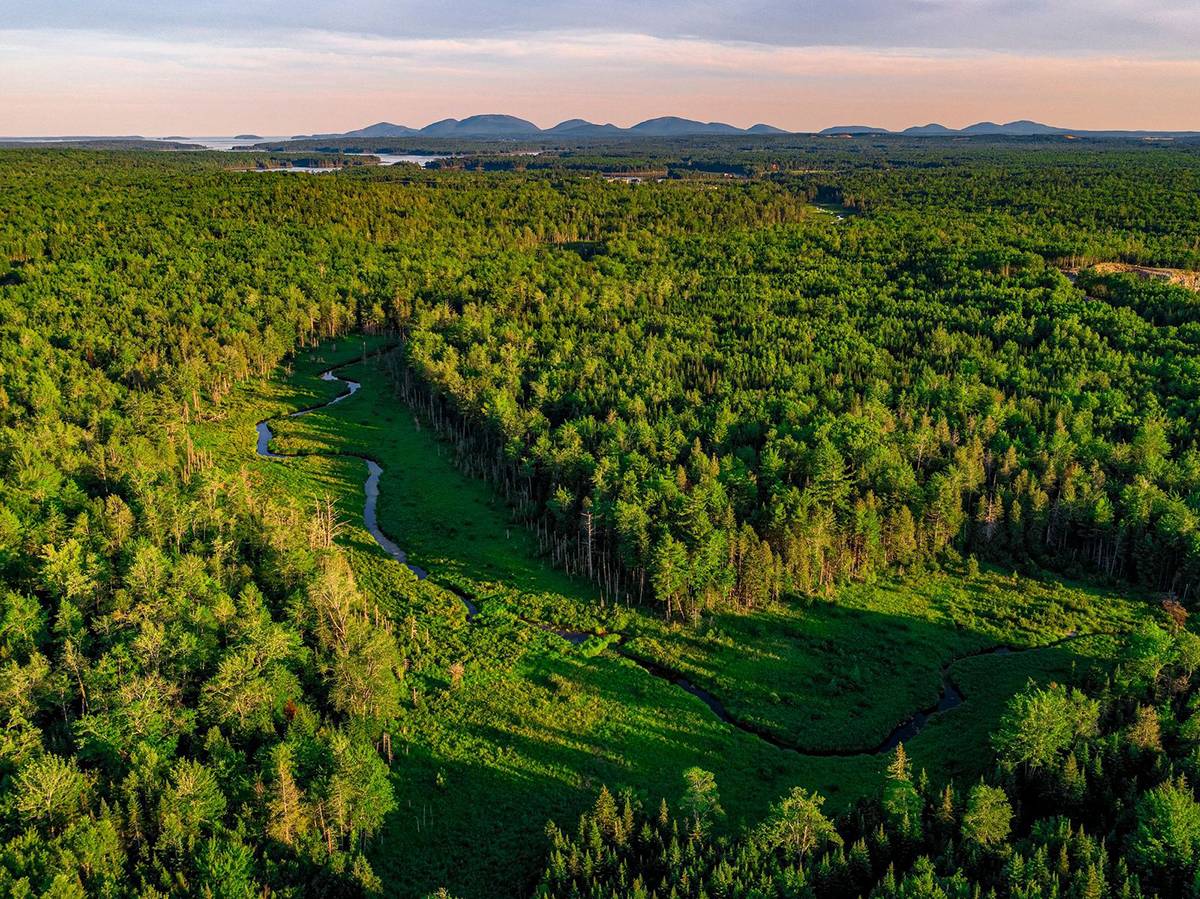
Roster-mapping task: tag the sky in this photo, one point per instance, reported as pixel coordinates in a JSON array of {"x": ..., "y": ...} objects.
[{"x": 219, "y": 67}]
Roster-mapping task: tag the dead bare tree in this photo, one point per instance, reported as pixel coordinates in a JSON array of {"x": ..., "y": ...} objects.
[{"x": 326, "y": 525}]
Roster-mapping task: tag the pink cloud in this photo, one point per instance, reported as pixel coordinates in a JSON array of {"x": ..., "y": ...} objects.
[{"x": 74, "y": 82}]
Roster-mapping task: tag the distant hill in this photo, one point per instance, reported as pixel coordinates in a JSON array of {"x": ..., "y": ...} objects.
[
  {"x": 482, "y": 126},
  {"x": 930, "y": 129},
  {"x": 571, "y": 125},
  {"x": 584, "y": 128},
  {"x": 247, "y": 137},
  {"x": 379, "y": 129},
  {"x": 1023, "y": 127},
  {"x": 383, "y": 129},
  {"x": 853, "y": 129},
  {"x": 669, "y": 126},
  {"x": 761, "y": 128}
]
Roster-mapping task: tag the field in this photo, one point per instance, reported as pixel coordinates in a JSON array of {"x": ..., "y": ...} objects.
[
  {"x": 536, "y": 724},
  {"x": 832, "y": 675}
]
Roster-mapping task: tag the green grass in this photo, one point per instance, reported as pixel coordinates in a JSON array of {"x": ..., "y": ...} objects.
[
  {"x": 538, "y": 725},
  {"x": 951, "y": 744},
  {"x": 841, "y": 675}
]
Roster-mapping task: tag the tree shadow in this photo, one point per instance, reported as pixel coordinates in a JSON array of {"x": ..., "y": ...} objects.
[
  {"x": 539, "y": 725},
  {"x": 537, "y": 741}
]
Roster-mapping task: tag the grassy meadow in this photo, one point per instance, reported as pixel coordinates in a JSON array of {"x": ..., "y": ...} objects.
[{"x": 536, "y": 725}]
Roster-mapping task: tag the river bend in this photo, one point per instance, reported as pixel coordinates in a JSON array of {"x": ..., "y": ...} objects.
[{"x": 949, "y": 696}]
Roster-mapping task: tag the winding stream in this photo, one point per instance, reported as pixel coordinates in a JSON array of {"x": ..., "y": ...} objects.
[
  {"x": 370, "y": 486},
  {"x": 949, "y": 696}
]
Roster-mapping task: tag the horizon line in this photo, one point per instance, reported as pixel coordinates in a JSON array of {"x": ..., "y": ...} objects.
[{"x": 233, "y": 134}]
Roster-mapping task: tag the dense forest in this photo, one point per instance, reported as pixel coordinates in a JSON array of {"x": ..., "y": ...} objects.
[
  {"x": 709, "y": 395},
  {"x": 722, "y": 417}
]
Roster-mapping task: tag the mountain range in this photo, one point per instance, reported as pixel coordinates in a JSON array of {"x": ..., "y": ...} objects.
[
  {"x": 1019, "y": 128},
  {"x": 502, "y": 126},
  {"x": 499, "y": 127},
  {"x": 507, "y": 127}
]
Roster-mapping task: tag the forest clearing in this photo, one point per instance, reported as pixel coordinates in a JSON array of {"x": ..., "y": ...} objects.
[{"x": 517, "y": 678}]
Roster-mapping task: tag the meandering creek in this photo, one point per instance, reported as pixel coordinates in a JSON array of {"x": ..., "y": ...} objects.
[
  {"x": 949, "y": 696},
  {"x": 370, "y": 486}
]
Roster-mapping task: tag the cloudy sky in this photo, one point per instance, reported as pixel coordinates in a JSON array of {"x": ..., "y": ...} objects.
[{"x": 278, "y": 68}]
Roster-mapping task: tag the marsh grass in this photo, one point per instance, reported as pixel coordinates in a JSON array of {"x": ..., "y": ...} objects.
[{"x": 533, "y": 726}]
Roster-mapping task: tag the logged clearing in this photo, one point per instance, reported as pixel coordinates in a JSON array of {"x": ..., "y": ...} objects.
[{"x": 1181, "y": 277}]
